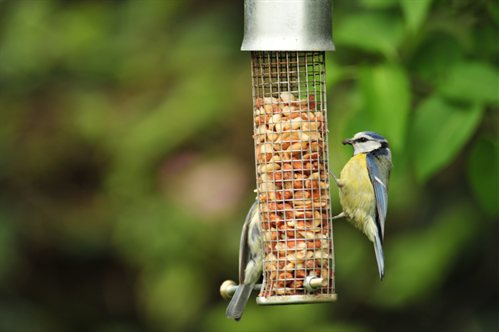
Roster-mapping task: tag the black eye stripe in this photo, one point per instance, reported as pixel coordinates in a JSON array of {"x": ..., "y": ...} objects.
[{"x": 384, "y": 144}]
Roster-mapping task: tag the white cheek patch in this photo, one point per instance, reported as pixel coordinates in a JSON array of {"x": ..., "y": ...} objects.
[{"x": 366, "y": 146}]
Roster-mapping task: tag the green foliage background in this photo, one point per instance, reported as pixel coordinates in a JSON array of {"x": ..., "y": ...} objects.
[{"x": 126, "y": 165}]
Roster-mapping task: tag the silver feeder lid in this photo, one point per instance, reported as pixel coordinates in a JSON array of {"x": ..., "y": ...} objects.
[{"x": 287, "y": 25}]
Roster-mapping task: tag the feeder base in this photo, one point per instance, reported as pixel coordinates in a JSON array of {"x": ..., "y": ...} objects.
[{"x": 296, "y": 299}]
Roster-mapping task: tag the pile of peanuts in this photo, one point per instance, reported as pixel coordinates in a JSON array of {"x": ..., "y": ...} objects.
[{"x": 293, "y": 193}]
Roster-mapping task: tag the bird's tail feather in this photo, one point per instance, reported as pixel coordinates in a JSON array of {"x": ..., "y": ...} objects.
[
  {"x": 238, "y": 302},
  {"x": 378, "y": 249}
]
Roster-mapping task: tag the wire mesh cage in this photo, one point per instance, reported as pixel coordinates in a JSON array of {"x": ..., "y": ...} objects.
[{"x": 292, "y": 175}]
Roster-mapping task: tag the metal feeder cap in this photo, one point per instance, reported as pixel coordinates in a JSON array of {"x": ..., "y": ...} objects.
[{"x": 287, "y": 25}]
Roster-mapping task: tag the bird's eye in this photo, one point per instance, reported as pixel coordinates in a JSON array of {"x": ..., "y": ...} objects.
[{"x": 362, "y": 139}]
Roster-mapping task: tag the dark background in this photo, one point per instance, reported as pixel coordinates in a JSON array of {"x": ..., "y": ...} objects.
[{"x": 126, "y": 165}]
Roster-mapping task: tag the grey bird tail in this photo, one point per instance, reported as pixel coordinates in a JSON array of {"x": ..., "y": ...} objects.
[
  {"x": 378, "y": 250},
  {"x": 238, "y": 302}
]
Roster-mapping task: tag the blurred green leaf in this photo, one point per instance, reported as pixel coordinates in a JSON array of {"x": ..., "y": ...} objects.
[
  {"x": 378, "y": 3},
  {"x": 172, "y": 297},
  {"x": 25, "y": 43},
  {"x": 472, "y": 82},
  {"x": 373, "y": 32},
  {"x": 401, "y": 180},
  {"x": 433, "y": 60},
  {"x": 340, "y": 327},
  {"x": 116, "y": 327},
  {"x": 439, "y": 132},
  {"x": 149, "y": 16},
  {"x": 418, "y": 262},
  {"x": 18, "y": 315},
  {"x": 415, "y": 12},
  {"x": 387, "y": 98},
  {"x": 90, "y": 115},
  {"x": 152, "y": 241},
  {"x": 84, "y": 38},
  {"x": 485, "y": 39},
  {"x": 271, "y": 318},
  {"x": 147, "y": 139},
  {"x": 189, "y": 105},
  {"x": 493, "y": 9},
  {"x": 8, "y": 254},
  {"x": 360, "y": 121},
  {"x": 452, "y": 22},
  {"x": 483, "y": 166},
  {"x": 335, "y": 72},
  {"x": 354, "y": 265}
]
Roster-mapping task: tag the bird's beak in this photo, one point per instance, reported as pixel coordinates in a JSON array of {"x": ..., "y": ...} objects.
[{"x": 347, "y": 141}]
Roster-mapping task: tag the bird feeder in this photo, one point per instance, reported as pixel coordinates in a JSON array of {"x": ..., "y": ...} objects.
[{"x": 287, "y": 41}]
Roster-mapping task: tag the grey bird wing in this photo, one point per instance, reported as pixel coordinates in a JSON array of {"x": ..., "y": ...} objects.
[
  {"x": 379, "y": 166},
  {"x": 244, "y": 251}
]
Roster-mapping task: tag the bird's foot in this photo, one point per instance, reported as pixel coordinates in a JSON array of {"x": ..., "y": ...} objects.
[
  {"x": 341, "y": 215},
  {"x": 338, "y": 182}
]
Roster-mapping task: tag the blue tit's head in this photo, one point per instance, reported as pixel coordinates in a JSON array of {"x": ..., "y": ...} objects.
[{"x": 366, "y": 141}]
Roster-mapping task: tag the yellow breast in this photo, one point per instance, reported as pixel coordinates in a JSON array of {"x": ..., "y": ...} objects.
[{"x": 357, "y": 194}]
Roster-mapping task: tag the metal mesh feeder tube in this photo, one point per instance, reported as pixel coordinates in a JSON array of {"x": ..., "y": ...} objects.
[{"x": 292, "y": 175}]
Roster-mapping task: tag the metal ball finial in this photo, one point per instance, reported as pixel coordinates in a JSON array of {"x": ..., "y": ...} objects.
[{"x": 227, "y": 289}]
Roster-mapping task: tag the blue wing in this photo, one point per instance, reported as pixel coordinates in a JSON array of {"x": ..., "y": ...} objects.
[{"x": 379, "y": 166}]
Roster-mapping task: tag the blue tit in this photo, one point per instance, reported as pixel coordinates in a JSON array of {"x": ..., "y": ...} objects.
[
  {"x": 363, "y": 188},
  {"x": 250, "y": 263}
]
